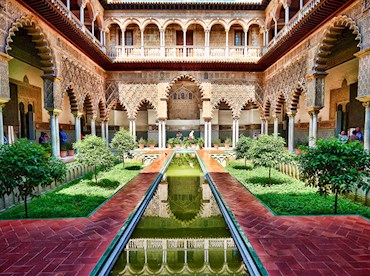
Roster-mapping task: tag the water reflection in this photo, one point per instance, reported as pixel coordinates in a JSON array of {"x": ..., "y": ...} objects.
[{"x": 182, "y": 230}]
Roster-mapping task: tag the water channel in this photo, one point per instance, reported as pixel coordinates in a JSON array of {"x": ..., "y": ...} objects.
[{"x": 182, "y": 230}]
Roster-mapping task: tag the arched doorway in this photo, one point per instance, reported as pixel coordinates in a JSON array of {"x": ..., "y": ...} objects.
[{"x": 184, "y": 108}]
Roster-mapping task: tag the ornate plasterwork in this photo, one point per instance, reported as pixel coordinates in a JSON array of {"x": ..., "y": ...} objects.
[
  {"x": 132, "y": 95},
  {"x": 38, "y": 37},
  {"x": 285, "y": 82},
  {"x": 330, "y": 37},
  {"x": 83, "y": 82},
  {"x": 180, "y": 78},
  {"x": 236, "y": 95}
]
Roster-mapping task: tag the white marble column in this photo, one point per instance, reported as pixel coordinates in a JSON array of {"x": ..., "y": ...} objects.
[
  {"x": 164, "y": 134},
  {"x": 102, "y": 125},
  {"x": 310, "y": 135},
  {"x": 53, "y": 132},
  {"x": 210, "y": 134},
  {"x": 237, "y": 132},
  {"x": 205, "y": 134},
  {"x": 206, "y": 43},
  {"x": 234, "y": 133},
  {"x": 276, "y": 125},
  {"x": 276, "y": 28},
  {"x": 1, "y": 125},
  {"x": 134, "y": 129},
  {"x": 160, "y": 134},
  {"x": 93, "y": 126},
  {"x": 82, "y": 14},
  {"x": 367, "y": 126},
  {"x": 78, "y": 126},
  {"x": 142, "y": 43},
  {"x": 227, "y": 43},
  {"x": 162, "y": 42},
  {"x": 313, "y": 127},
  {"x": 184, "y": 32},
  {"x": 266, "y": 127},
  {"x": 262, "y": 126},
  {"x": 291, "y": 116},
  {"x": 107, "y": 133},
  {"x": 68, "y": 5},
  {"x": 300, "y": 4},
  {"x": 286, "y": 15},
  {"x": 56, "y": 114}
]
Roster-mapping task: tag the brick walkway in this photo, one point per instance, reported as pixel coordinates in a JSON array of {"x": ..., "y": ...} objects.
[
  {"x": 70, "y": 246},
  {"x": 316, "y": 245}
]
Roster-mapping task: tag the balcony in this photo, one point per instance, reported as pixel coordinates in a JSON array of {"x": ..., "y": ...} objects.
[{"x": 130, "y": 53}]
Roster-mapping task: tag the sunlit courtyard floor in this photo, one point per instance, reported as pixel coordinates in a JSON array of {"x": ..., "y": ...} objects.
[{"x": 314, "y": 245}]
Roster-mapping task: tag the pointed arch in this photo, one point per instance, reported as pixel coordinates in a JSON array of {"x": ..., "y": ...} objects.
[
  {"x": 141, "y": 102},
  {"x": 330, "y": 37},
  {"x": 295, "y": 96},
  {"x": 88, "y": 105},
  {"x": 279, "y": 103},
  {"x": 184, "y": 77},
  {"x": 38, "y": 37},
  {"x": 224, "y": 100},
  {"x": 72, "y": 98},
  {"x": 267, "y": 108}
]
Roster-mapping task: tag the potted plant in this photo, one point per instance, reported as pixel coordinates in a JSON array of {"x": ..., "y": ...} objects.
[
  {"x": 70, "y": 150},
  {"x": 227, "y": 142},
  {"x": 185, "y": 143},
  {"x": 193, "y": 143},
  {"x": 151, "y": 143},
  {"x": 142, "y": 143},
  {"x": 216, "y": 143},
  {"x": 63, "y": 149},
  {"x": 177, "y": 142},
  {"x": 200, "y": 143},
  {"x": 171, "y": 143}
]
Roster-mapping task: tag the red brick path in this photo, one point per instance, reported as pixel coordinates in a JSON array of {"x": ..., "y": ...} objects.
[
  {"x": 70, "y": 246},
  {"x": 293, "y": 245}
]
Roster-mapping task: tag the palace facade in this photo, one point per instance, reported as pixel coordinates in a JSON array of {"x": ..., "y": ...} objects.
[{"x": 300, "y": 68}]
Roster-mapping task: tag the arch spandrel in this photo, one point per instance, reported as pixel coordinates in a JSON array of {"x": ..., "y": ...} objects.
[{"x": 132, "y": 94}]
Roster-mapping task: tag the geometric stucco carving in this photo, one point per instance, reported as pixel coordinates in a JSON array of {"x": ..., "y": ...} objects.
[
  {"x": 236, "y": 95},
  {"x": 83, "y": 83},
  {"x": 286, "y": 85},
  {"x": 330, "y": 38},
  {"x": 132, "y": 95},
  {"x": 38, "y": 37},
  {"x": 181, "y": 78}
]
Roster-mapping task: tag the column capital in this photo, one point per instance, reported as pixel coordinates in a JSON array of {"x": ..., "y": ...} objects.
[
  {"x": 51, "y": 77},
  {"x": 3, "y": 101},
  {"x": 366, "y": 105},
  {"x": 362, "y": 53},
  {"x": 291, "y": 114},
  {"x": 316, "y": 75},
  {"x": 54, "y": 111},
  {"x": 236, "y": 118},
  {"x": 77, "y": 114},
  {"x": 5, "y": 57},
  {"x": 207, "y": 119},
  {"x": 162, "y": 119},
  {"x": 314, "y": 109},
  {"x": 364, "y": 99},
  {"x": 275, "y": 115}
]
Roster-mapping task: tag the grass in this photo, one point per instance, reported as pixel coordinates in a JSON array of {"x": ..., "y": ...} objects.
[
  {"x": 288, "y": 196},
  {"x": 79, "y": 197}
]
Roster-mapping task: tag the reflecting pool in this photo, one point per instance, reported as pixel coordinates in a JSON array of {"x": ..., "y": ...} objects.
[{"x": 182, "y": 230}]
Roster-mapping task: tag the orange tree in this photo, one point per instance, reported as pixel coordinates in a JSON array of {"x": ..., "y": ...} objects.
[
  {"x": 334, "y": 167},
  {"x": 24, "y": 166}
]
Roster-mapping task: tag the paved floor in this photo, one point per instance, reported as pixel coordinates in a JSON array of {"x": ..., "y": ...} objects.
[
  {"x": 326, "y": 245},
  {"x": 70, "y": 246},
  {"x": 316, "y": 245}
]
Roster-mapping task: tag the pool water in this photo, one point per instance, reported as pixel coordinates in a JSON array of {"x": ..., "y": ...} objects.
[{"x": 182, "y": 230}]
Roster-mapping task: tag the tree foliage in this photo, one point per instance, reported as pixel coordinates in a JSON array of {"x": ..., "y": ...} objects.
[
  {"x": 243, "y": 146},
  {"x": 268, "y": 151},
  {"x": 335, "y": 167},
  {"x": 24, "y": 166},
  {"x": 93, "y": 152},
  {"x": 123, "y": 142}
]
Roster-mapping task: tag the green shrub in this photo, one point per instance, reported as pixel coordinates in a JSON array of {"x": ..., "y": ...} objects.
[{"x": 123, "y": 142}]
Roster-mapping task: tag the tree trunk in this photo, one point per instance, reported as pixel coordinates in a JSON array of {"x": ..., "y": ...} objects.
[
  {"x": 25, "y": 206},
  {"x": 96, "y": 177},
  {"x": 366, "y": 193},
  {"x": 123, "y": 161},
  {"x": 270, "y": 175},
  {"x": 336, "y": 202},
  {"x": 245, "y": 162}
]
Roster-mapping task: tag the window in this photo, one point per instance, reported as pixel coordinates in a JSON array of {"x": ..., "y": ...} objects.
[
  {"x": 239, "y": 38},
  {"x": 129, "y": 38},
  {"x": 180, "y": 38},
  {"x": 175, "y": 96},
  {"x": 190, "y": 96}
]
